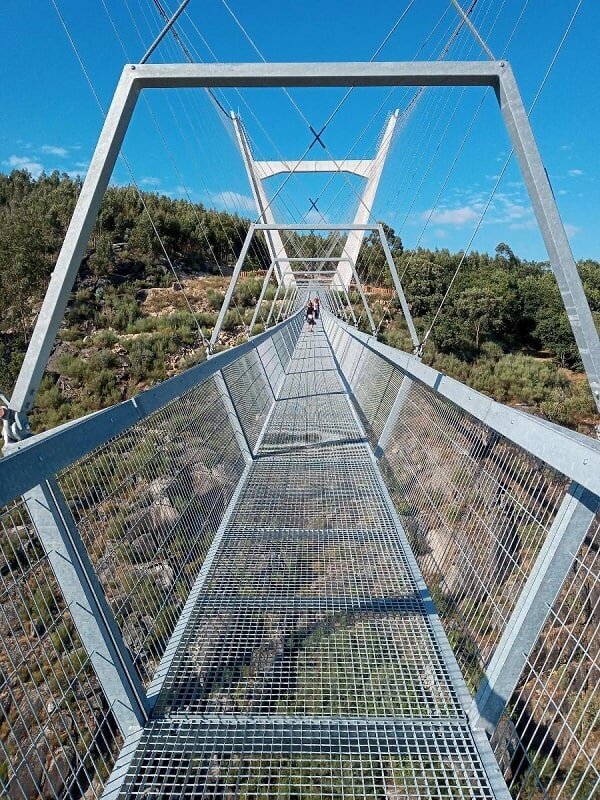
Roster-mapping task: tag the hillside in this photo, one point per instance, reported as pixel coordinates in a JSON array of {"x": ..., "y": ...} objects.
[{"x": 128, "y": 324}]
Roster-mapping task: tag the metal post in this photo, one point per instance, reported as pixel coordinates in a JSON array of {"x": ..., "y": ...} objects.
[
  {"x": 238, "y": 428},
  {"x": 283, "y": 302},
  {"x": 87, "y": 605},
  {"x": 571, "y": 524},
  {"x": 363, "y": 297},
  {"x": 73, "y": 248},
  {"x": 273, "y": 238},
  {"x": 365, "y": 206},
  {"x": 164, "y": 32},
  {"x": 231, "y": 287},
  {"x": 551, "y": 226},
  {"x": 398, "y": 286},
  {"x": 274, "y": 303},
  {"x": 392, "y": 418},
  {"x": 263, "y": 291}
]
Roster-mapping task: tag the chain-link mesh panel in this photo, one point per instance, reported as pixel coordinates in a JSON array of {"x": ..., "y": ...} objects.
[
  {"x": 376, "y": 385},
  {"x": 147, "y": 505},
  {"x": 251, "y": 394},
  {"x": 58, "y": 737},
  {"x": 477, "y": 510},
  {"x": 549, "y": 740},
  {"x": 272, "y": 364}
]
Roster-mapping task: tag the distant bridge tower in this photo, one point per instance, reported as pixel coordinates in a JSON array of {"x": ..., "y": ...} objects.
[{"x": 259, "y": 171}]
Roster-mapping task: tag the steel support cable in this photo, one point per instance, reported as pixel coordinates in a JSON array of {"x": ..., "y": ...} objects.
[
  {"x": 385, "y": 40},
  {"x": 200, "y": 223},
  {"x": 442, "y": 55},
  {"x": 457, "y": 156},
  {"x": 239, "y": 211},
  {"x": 411, "y": 108},
  {"x": 175, "y": 166},
  {"x": 229, "y": 127},
  {"x": 461, "y": 147},
  {"x": 127, "y": 166},
  {"x": 297, "y": 108},
  {"x": 413, "y": 102},
  {"x": 503, "y": 170},
  {"x": 432, "y": 210},
  {"x": 373, "y": 57},
  {"x": 161, "y": 10},
  {"x": 263, "y": 58}
]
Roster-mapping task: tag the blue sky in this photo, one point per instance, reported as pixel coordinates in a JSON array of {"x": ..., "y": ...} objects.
[{"x": 180, "y": 144}]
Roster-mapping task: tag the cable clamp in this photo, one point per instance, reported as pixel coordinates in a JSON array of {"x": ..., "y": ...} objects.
[{"x": 15, "y": 425}]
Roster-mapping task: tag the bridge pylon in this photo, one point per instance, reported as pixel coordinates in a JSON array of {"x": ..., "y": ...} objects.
[{"x": 369, "y": 169}]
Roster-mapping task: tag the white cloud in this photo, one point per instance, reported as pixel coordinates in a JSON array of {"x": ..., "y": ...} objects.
[
  {"x": 440, "y": 233},
  {"x": 526, "y": 225},
  {"x": 149, "y": 181},
  {"x": 233, "y": 201},
  {"x": 20, "y": 162},
  {"x": 51, "y": 150},
  {"x": 314, "y": 217},
  {"x": 452, "y": 216},
  {"x": 572, "y": 230},
  {"x": 562, "y": 191},
  {"x": 576, "y": 173}
]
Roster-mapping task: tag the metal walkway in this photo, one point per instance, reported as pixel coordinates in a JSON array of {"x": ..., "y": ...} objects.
[{"x": 309, "y": 660}]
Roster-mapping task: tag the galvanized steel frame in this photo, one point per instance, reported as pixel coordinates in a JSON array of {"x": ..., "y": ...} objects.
[
  {"x": 87, "y": 605},
  {"x": 135, "y": 78},
  {"x": 570, "y": 453},
  {"x": 564, "y": 450}
]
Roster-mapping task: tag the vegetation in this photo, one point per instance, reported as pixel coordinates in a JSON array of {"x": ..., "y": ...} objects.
[{"x": 127, "y": 325}]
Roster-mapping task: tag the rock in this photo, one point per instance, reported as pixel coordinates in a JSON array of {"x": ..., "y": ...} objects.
[
  {"x": 444, "y": 552},
  {"x": 163, "y": 515},
  {"x": 31, "y": 711},
  {"x": 158, "y": 487},
  {"x": 163, "y": 574},
  {"x": 26, "y": 780},
  {"x": 60, "y": 766}
]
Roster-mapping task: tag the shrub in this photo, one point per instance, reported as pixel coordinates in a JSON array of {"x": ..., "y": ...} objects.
[
  {"x": 141, "y": 358},
  {"x": 215, "y": 299}
]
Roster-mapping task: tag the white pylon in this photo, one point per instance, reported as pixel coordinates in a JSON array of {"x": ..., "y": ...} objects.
[{"x": 371, "y": 170}]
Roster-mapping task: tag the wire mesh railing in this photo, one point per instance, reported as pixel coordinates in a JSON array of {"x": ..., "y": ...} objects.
[
  {"x": 59, "y": 737},
  {"x": 129, "y": 501},
  {"x": 480, "y": 510},
  {"x": 147, "y": 505}
]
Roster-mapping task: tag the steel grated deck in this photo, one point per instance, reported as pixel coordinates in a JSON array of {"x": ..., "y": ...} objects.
[{"x": 310, "y": 665}]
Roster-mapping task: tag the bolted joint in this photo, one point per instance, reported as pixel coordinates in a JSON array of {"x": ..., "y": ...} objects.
[{"x": 15, "y": 425}]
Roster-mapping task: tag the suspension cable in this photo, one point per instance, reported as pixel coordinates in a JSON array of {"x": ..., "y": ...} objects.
[{"x": 503, "y": 170}]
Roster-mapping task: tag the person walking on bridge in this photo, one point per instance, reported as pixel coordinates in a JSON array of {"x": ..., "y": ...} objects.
[
  {"x": 310, "y": 315},
  {"x": 317, "y": 306}
]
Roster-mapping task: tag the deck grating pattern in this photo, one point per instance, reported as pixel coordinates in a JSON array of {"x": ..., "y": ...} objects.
[{"x": 309, "y": 666}]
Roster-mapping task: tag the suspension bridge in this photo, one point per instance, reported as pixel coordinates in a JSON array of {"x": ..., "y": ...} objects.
[{"x": 310, "y": 566}]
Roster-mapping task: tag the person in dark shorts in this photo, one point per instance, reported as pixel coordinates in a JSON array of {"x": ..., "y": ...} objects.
[
  {"x": 310, "y": 315},
  {"x": 317, "y": 307}
]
